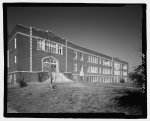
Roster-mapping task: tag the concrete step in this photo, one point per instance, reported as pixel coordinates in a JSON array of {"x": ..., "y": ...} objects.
[{"x": 60, "y": 77}]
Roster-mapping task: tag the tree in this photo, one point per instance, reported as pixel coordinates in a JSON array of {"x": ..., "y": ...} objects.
[
  {"x": 50, "y": 73},
  {"x": 137, "y": 76},
  {"x": 49, "y": 68}
]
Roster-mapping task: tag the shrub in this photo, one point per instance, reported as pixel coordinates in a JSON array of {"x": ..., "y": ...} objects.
[
  {"x": 22, "y": 82},
  {"x": 138, "y": 79}
]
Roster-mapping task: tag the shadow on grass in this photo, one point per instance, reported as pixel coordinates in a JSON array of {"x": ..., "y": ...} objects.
[{"x": 131, "y": 99}]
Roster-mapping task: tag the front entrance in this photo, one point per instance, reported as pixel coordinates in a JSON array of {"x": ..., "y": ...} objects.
[{"x": 50, "y": 64}]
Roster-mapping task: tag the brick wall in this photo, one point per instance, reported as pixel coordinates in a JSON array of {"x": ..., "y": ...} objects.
[
  {"x": 37, "y": 56},
  {"x": 22, "y": 53},
  {"x": 23, "y": 48},
  {"x": 12, "y": 54}
]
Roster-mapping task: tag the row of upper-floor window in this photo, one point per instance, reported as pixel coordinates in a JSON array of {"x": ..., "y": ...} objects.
[
  {"x": 48, "y": 46},
  {"x": 94, "y": 69},
  {"x": 96, "y": 60},
  {"x": 118, "y": 66}
]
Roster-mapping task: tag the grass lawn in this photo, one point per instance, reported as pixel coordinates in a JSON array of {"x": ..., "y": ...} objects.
[{"x": 69, "y": 97}]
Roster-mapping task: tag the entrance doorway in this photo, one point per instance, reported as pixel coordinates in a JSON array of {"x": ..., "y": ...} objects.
[{"x": 50, "y": 63}]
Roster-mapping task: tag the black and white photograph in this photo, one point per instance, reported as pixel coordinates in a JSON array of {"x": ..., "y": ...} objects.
[{"x": 75, "y": 60}]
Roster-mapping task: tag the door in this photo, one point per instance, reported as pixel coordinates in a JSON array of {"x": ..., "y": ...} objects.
[{"x": 49, "y": 64}]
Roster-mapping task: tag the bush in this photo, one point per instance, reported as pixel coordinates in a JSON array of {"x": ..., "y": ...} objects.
[
  {"x": 130, "y": 99},
  {"x": 122, "y": 81},
  {"x": 22, "y": 82},
  {"x": 40, "y": 76},
  {"x": 138, "y": 79}
]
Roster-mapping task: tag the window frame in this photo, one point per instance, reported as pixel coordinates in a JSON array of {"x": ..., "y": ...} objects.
[
  {"x": 81, "y": 57},
  {"x": 76, "y": 55},
  {"x": 15, "y": 43},
  {"x": 15, "y": 59},
  {"x": 39, "y": 44},
  {"x": 75, "y": 67},
  {"x": 75, "y": 77}
]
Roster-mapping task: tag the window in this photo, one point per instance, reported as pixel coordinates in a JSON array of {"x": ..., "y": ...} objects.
[
  {"x": 100, "y": 70},
  {"x": 53, "y": 47},
  {"x": 88, "y": 69},
  {"x": 106, "y": 62},
  {"x": 43, "y": 45},
  {"x": 81, "y": 54},
  {"x": 96, "y": 70},
  {"x": 124, "y": 73},
  {"x": 116, "y": 79},
  {"x": 116, "y": 72},
  {"x": 93, "y": 69},
  {"x": 81, "y": 68},
  {"x": 8, "y": 57},
  {"x": 75, "y": 57},
  {"x": 15, "y": 43},
  {"x": 60, "y": 49},
  {"x": 116, "y": 66},
  {"x": 91, "y": 59},
  {"x": 106, "y": 71},
  {"x": 39, "y": 44},
  {"x": 101, "y": 79},
  {"x": 96, "y": 60},
  {"x": 46, "y": 45},
  {"x": 75, "y": 67},
  {"x": 125, "y": 67},
  {"x": 75, "y": 78},
  {"x": 92, "y": 78},
  {"x": 88, "y": 59},
  {"x": 15, "y": 59},
  {"x": 111, "y": 71},
  {"x": 100, "y": 61},
  {"x": 107, "y": 79}
]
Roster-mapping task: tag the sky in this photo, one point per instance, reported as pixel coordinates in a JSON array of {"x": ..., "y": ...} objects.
[{"x": 114, "y": 31}]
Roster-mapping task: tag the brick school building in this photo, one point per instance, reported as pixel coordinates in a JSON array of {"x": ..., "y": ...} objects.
[{"x": 32, "y": 51}]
